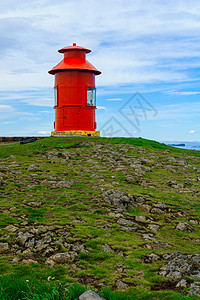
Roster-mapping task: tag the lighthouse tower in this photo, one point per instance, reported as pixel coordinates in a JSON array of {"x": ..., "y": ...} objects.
[{"x": 74, "y": 94}]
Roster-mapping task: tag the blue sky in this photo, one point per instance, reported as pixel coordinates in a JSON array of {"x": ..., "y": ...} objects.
[{"x": 151, "y": 47}]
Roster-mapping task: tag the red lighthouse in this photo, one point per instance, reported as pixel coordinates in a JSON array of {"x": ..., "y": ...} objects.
[{"x": 74, "y": 94}]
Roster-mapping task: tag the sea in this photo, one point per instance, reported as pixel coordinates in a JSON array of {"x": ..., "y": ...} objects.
[{"x": 184, "y": 145}]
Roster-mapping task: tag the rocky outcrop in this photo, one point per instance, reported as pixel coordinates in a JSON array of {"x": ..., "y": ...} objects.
[{"x": 179, "y": 267}]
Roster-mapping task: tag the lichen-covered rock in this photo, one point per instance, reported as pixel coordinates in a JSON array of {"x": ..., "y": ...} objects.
[
  {"x": 64, "y": 184},
  {"x": 107, "y": 248},
  {"x": 29, "y": 261},
  {"x": 184, "y": 226},
  {"x": 78, "y": 248},
  {"x": 151, "y": 257},
  {"x": 122, "y": 221},
  {"x": 3, "y": 247},
  {"x": 30, "y": 243},
  {"x": 195, "y": 289},
  {"x": 131, "y": 229},
  {"x": 62, "y": 258},
  {"x": 156, "y": 210},
  {"x": 153, "y": 227},
  {"x": 181, "y": 265},
  {"x": 148, "y": 237},
  {"x": 140, "y": 219},
  {"x": 121, "y": 199},
  {"x": 11, "y": 228},
  {"x": 40, "y": 245},
  {"x": 23, "y": 237},
  {"x": 145, "y": 207},
  {"x": 120, "y": 285},
  {"x": 182, "y": 283}
]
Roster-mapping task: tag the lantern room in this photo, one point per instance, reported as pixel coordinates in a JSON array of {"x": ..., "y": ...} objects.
[{"x": 74, "y": 94}]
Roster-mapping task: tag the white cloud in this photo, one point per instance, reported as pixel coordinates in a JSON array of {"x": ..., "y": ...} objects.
[
  {"x": 9, "y": 122},
  {"x": 138, "y": 42},
  {"x": 29, "y": 119},
  {"x": 101, "y": 107},
  {"x": 44, "y": 132},
  {"x": 115, "y": 99},
  {"x": 189, "y": 93},
  {"x": 192, "y": 131},
  {"x": 6, "y": 108},
  {"x": 39, "y": 102},
  {"x": 46, "y": 112}
]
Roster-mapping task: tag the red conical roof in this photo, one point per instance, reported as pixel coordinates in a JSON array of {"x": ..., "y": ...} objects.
[
  {"x": 74, "y": 47},
  {"x": 74, "y": 59}
]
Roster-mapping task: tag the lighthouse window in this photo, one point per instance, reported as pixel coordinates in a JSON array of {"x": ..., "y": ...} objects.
[
  {"x": 55, "y": 97},
  {"x": 91, "y": 96}
]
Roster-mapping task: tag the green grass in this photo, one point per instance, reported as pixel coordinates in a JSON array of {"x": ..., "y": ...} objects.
[
  {"x": 15, "y": 288},
  {"x": 81, "y": 211}
]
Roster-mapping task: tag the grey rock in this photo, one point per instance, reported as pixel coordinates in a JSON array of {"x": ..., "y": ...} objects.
[
  {"x": 148, "y": 237},
  {"x": 145, "y": 207},
  {"x": 140, "y": 218},
  {"x": 52, "y": 154},
  {"x": 182, "y": 283},
  {"x": 29, "y": 261},
  {"x": 107, "y": 248},
  {"x": 156, "y": 210},
  {"x": 97, "y": 176},
  {"x": 11, "y": 228},
  {"x": 131, "y": 229},
  {"x": 183, "y": 226},
  {"x": 27, "y": 252},
  {"x": 40, "y": 245},
  {"x": 23, "y": 237},
  {"x": 196, "y": 274},
  {"x": 153, "y": 227},
  {"x": 33, "y": 168},
  {"x": 195, "y": 288},
  {"x": 175, "y": 275},
  {"x": 168, "y": 256},
  {"x": 79, "y": 248},
  {"x": 120, "y": 199},
  {"x": 34, "y": 231},
  {"x": 3, "y": 247},
  {"x": 160, "y": 205},
  {"x": 90, "y": 295},
  {"x": 179, "y": 266},
  {"x": 195, "y": 258},
  {"x": 64, "y": 184},
  {"x": 30, "y": 243},
  {"x": 195, "y": 222},
  {"x": 16, "y": 259},
  {"x": 122, "y": 221},
  {"x": 63, "y": 257},
  {"x": 34, "y": 204},
  {"x": 151, "y": 257},
  {"x": 175, "y": 185},
  {"x": 25, "y": 223},
  {"x": 48, "y": 251},
  {"x": 120, "y": 285}
]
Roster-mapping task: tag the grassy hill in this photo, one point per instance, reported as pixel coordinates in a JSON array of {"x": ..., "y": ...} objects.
[{"x": 117, "y": 213}]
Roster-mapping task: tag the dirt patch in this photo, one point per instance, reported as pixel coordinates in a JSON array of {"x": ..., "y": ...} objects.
[
  {"x": 7, "y": 143},
  {"x": 165, "y": 285}
]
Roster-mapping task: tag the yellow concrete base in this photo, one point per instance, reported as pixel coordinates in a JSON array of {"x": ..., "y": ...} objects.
[{"x": 75, "y": 133}]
